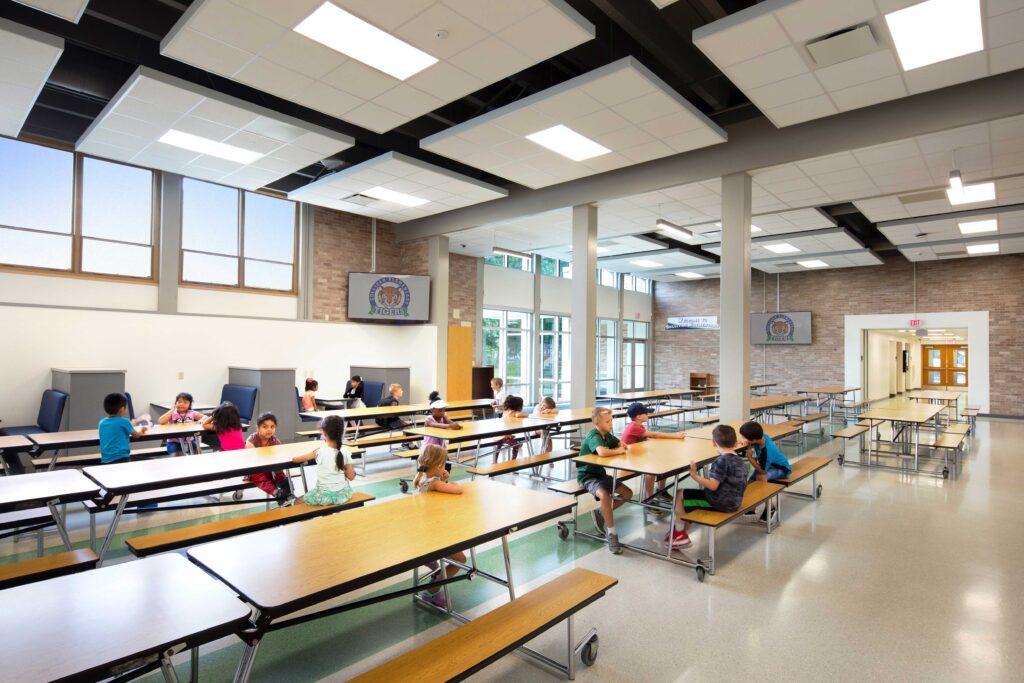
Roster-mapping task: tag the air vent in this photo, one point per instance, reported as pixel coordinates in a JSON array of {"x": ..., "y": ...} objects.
[
  {"x": 930, "y": 196},
  {"x": 360, "y": 199},
  {"x": 842, "y": 46},
  {"x": 921, "y": 235}
]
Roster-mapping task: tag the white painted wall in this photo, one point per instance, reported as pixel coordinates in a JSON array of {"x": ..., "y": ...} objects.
[
  {"x": 219, "y": 302},
  {"x": 976, "y": 323},
  {"x": 555, "y": 295},
  {"x": 884, "y": 365},
  {"x": 507, "y": 288},
  {"x": 607, "y": 302},
  {"x": 153, "y": 348},
  {"x": 636, "y": 306},
  {"x": 44, "y": 290}
]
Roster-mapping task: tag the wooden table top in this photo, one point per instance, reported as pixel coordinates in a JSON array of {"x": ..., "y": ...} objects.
[
  {"x": 830, "y": 389},
  {"x": 657, "y": 456},
  {"x": 753, "y": 385},
  {"x": 772, "y": 430},
  {"x": 654, "y": 393},
  {"x": 934, "y": 395},
  {"x": 395, "y": 411},
  {"x": 482, "y": 429},
  {"x": 91, "y": 437},
  {"x": 298, "y": 565},
  {"x": 774, "y": 401},
  {"x": 919, "y": 412},
  {"x": 14, "y": 443},
  {"x": 31, "y": 490},
  {"x": 571, "y": 416},
  {"x": 83, "y": 624},
  {"x": 162, "y": 473}
]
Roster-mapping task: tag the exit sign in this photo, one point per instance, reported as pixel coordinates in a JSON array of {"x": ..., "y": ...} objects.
[{"x": 915, "y": 323}]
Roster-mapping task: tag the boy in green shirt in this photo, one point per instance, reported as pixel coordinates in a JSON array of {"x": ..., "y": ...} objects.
[{"x": 595, "y": 479}]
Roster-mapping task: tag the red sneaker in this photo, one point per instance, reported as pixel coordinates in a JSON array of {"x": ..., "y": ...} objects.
[{"x": 679, "y": 539}]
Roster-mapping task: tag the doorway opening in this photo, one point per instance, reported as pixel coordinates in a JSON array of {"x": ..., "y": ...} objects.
[{"x": 899, "y": 360}]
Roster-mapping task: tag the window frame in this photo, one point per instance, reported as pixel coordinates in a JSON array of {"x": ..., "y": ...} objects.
[
  {"x": 77, "y": 238},
  {"x": 526, "y": 335},
  {"x": 240, "y": 287},
  {"x": 562, "y": 331}
]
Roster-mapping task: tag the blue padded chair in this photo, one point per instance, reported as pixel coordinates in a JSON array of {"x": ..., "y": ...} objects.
[
  {"x": 373, "y": 392},
  {"x": 298, "y": 402},
  {"x": 131, "y": 406},
  {"x": 51, "y": 412},
  {"x": 244, "y": 398}
]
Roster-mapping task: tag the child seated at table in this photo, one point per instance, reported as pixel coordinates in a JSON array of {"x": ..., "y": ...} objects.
[
  {"x": 227, "y": 423},
  {"x": 432, "y": 475},
  {"x": 354, "y": 391},
  {"x": 392, "y": 422},
  {"x": 764, "y": 456},
  {"x": 309, "y": 395},
  {"x": 595, "y": 479},
  {"x": 182, "y": 412},
  {"x": 546, "y": 406},
  {"x": 116, "y": 430},
  {"x": 722, "y": 489},
  {"x": 498, "y": 387},
  {"x": 438, "y": 419},
  {"x": 510, "y": 409},
  {"x": 334, "y": 468},
  {"x": 636, "y": 431},
  {"x": 276, "y": 484}
]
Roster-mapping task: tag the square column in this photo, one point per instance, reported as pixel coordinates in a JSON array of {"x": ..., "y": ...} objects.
[
  {"x": 584, "y": 305},
  {"x": 437, "y": 260},
  {"x": 734, "y": 338}
]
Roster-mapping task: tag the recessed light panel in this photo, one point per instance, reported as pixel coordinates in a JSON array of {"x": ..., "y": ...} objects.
[
  {"x": 975, "y": 249},
  {"x": 815, "y": 263},
  {"x": 690, "y": 276},
  {"x": 195, "y": 143},
  {"x": 646, "y": 263},
  {"x": 974, "y": 227},
  {"x": 972, "y": 194},
  {"x": 399, "y": 198},
  {"x": 936, "y": 30},
  {"x": 784, "y": 248},
  {"x": 348, "y": 34},
  {"x": 568, "y": 143}
]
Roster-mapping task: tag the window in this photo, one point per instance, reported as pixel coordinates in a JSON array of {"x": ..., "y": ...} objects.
[
  {"x": 634, "y": 354},
  {"x": 636, "y": 284},
  {"x": 555, "y": 268},
  {"x": 607, "y": 278},
  {"x": 221, "y": 224},
  {"x": 507, "y": 346},
  {"x": 41, "y": 225},
  {"x": 606, "y": 356},
  {"x": 555, "y": 358},
  {"x": 513, "y": 262}
]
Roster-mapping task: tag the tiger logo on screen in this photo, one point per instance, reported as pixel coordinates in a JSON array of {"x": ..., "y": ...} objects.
[
  {"x": 390, "y": 297},
  {"x": 779, "y": 328}
]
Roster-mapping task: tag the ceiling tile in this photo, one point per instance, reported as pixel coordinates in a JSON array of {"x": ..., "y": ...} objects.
[
  {"x": 27, "y": 57},
  {"x": 71, "y": 10}
]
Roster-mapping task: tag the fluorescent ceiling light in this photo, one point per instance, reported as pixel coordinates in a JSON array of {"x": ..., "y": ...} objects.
[
  {"x": 348, "y": 34},
  {"x": 690, "y": 276},
  {"x": 753, "y": 228},
  {"x": 603, "y": 250},
  {"x": 673, "y": 230},
  {"x": 979, "y": 192},
  {"x": 936, "y": 30},
  {"x": 567, "y": 142},
  {"x": 194, "y": 143},
  {"x": 502, "y": 251},
  {"x": 991, "y": 248},
  {"x": 956, "y": 181},
  {"x": 813, "y": 264},
  {"x": 645, "y": 263},
  {"x": 387, "y": 195},
  {"x": 784, "y": 248},
  {"x": 974, "y": 227}
]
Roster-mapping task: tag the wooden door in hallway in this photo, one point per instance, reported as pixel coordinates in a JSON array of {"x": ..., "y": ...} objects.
[{"x": 944, "y": 366}]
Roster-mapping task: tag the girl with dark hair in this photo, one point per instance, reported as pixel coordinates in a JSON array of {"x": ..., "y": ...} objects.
[
  {"x": 309, "y": 394},
  {"x": 182, "y": 412},
  {"x": 226, "y": 421},
  {"x": 511, "y": 409},
  {"x": 334, "y": 468},
  {"x": 276, "y": 484}
]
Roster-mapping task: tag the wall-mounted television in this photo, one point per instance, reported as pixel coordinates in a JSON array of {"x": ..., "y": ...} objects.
[
  {"x": 780, "y": 328},
  {"x": 389, "y": 297}
]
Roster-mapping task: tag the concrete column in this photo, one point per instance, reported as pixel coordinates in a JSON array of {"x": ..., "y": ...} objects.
[
  {"x": 584, "y": 305},
  {"x": 437, "y": 259},
  {"x": 170, "y": 243},
  {"x": 534, "y": 340},
  {"x": 734, "y": 339}
]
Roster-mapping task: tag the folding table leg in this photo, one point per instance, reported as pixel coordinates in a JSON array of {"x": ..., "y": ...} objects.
[
  {"x": 59, "y": 520},
  {"x": 167, "y": 667},
  {"x": 508, "y": 567},
  {"x": 113, "y": 527}
]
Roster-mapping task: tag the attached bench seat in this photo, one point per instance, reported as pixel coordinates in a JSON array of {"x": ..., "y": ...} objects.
[
  {"x": 48, "y": 567},
  {"x": 706, "y": 420},
  {"x": 571, "y": 487},
  {"x": 806, "y": 466},
  {"x": 150, "y": 544},
  {"x": 950, "y": 442},
  {"x": 523, "y": 463},
  {"x": 850, "y": 432},
  {"x": 757, "y": 492},
  {"x": 958, "y": 428},
  {"x": 472, "y": 646},
  {"x": 90, "y": 459},
  {"x": 371, "y": 441}
]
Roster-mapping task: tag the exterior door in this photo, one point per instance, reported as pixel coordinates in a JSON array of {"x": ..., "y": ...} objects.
[{"x": 944, "y": 366}]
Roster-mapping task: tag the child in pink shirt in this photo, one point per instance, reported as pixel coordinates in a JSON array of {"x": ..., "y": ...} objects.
[{"x": 226, "y": 421}]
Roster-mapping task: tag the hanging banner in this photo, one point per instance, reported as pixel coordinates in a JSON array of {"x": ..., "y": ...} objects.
[
  {"x": 780, "y": 328},
  {"x": 704, "y": 322}
]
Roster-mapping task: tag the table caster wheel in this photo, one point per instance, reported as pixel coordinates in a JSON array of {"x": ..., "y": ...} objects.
[
  {"x": 237, "y": 495},
  {"x": 404, "y": 485},
  {"x": 945, "y": 473},
  {"x": 589, "y": 652},
  {"x": 701, "y": 573},
  {"x": 563, "y": 531},
  {"x": 819, "y": 490},
  {"x": 841, "y": 459}
]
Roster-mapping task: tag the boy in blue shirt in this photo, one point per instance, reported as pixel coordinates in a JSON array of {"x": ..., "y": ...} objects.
[
  {"x": 768, "y": 461},
  {"x": 116, "y": 430}
]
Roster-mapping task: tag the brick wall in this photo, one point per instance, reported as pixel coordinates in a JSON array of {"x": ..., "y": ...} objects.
[
  {"x": 462, "y": 289},
  {"x": 995, "y": 284}
]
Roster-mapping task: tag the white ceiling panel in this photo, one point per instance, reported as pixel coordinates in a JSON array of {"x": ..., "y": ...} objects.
[
  {"x": 931, "y": 202},
  {"x": 152, "y": 103},
  {"x": 622, "y": 106},
  {"x": 610, "y": 246},
  {"x": 476, "y": 43},
  {"x": 442, "y": 189},
  {"x": 70, "y": 10},
  {"x": 27, "y": 57},
  {"x": 950, "y": 249},
  {"x": 947, "y": 229},
  {"x": 652, "y": 261},
  {"x": 807, "y": 243},
  {"x": 763, "y": 50},
  {"x": 706, "y": 271},
  {"x": 850, "y": 259}
]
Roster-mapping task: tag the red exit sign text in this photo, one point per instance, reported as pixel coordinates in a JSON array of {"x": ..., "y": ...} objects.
[{"x": 915, "y": 323}]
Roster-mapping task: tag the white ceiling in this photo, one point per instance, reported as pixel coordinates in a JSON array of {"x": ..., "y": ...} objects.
[
  {"x": 622, "y": 106},
  {"x": 150, "y": 103},
  {"x": 799, "y": 220},
  {"x": 892, "y": 207},
  {"x": 445, "y": 190},
  {"x": 610, "y": 246},
  {"x": 71, "y": 10},
  {"x": 27, "y": 57},
  {"x": 667, "y": 258},
  {"x": 252, "y": 41},
  {"x": 810, "y": 244},
  {"x": 708, "y": 270},
  {"x": 945, "y": 229},
  {"x": 841, "y": 259},
  {"x": 762, "y": 50},
  {"x": 935, "y": 251}
]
